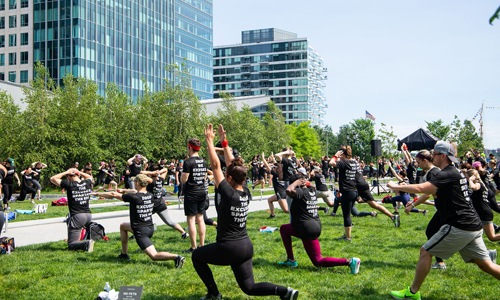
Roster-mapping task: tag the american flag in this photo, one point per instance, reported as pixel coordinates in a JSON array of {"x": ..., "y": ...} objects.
[{"x": 369, "y": 116}]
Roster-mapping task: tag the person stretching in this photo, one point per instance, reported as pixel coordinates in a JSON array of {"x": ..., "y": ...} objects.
[
  {"x": 306, "y": 225},
  {"x": 141, "y": 221},
  {"x": 233, "y": 246}
]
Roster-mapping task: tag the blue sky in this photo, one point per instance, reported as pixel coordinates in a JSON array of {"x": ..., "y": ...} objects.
[{"x": 406, "y": 62}]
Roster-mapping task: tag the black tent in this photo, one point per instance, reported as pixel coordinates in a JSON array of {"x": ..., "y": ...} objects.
[{"x": 419, "y": 140}]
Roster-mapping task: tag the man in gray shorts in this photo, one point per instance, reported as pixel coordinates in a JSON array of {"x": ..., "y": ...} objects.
[{"x": 461, "y": 230}]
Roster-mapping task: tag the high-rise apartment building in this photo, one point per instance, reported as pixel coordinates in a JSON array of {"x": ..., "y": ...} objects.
[
  {"x": 276, "y": 63},
  {"x": 124, "y": 42}
]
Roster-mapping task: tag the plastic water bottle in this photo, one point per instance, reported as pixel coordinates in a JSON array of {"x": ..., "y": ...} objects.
[{"x": 107, "y": 287}]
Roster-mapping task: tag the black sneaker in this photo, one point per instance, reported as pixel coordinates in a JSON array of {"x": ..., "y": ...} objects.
[
  {"x": 291, "y": 294},
  {"x": 123, "y": 256},
  {"x": 185, "y": 235},
  {"x": 189, "y": 251},
  {"x": 211, "y": 297},
  {"x": 497, "y": 228},
  {"x": 271, "y": 216},
  {"x": 327, "y": 209},
  {"x": 179, "y": 261}
]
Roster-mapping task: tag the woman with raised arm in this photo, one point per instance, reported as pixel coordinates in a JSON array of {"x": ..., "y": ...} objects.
[
  {"x": 141, "y": 221},
  {"x": 233, "y": 246},
  {"x": 403, "y": 197}
]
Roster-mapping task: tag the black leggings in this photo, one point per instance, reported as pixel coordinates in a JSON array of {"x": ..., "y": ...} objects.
[
  {"x": 2, "y": 220},
  {"x": 7, "y": 189},
  {"x": 237, "y": 254},
  {"x": 347, "y": 201},
  {"x": 433, "y": 228},
  {"x": 27, "y": 190}
]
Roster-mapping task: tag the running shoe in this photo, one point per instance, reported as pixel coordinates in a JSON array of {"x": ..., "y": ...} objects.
[
  {"x": 123, "y": 256},
  {"x": 424, "y": 212},
  {"x": 405, "y": 294},
  {"x": 439, "y": 266},
  {"x": 396, "y": 220},
  {"x": 291, "y": 294},
  {"x": 497, "y": 228},
  {"x": 289, "y": 263},
  {"x": 493, "y": 255},
  {"x": 373, "y": 213},
  {"x": 211, "y": 297},
  {"x": 189, "y": 251},
  {"x": 327, "y": 209},
  {"x": 344, "y": 238},
  {"x": 354, "y": 265},
  {"x": 333, "y": 214},
  {"x": 179, "y": 261},
  {"x": 185, "y": 235},
  {"x": 271, "y": 216}
]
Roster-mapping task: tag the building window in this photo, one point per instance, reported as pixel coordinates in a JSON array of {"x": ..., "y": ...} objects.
[
  {"x": 12, "y": 40},
  {"x": 12, "y": 21},
  {"x": 24, "y": 3},
  {"x": 24, "y": 76},
  {"x": 2, "y": 41},
  {"x": 2, "y": 59},
  {"x": 12, "y": 76},
  {"x": 2, "y": 6},
  {"x": 2, "y": 22},
  {"x": 12, "y": 58},
  {"x": 24, "y": 58},
  {"x": 2, "y": 76},
  {"x": 24, "y": 20},
  {"x": 24, "y": 39},
  {"x": 12, "y": 5}
]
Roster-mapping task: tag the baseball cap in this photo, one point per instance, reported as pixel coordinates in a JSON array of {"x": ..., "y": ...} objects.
[
  {"x": 302, "y": 171},
  {"x": 446, "y": 149}
]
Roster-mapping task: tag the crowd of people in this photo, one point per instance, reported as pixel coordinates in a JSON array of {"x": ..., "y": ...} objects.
[{"x": 463, "y": 192}]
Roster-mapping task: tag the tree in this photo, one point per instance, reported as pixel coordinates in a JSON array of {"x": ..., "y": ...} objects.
[
  {"x": 388, "y": 141},
  {"x": 496, "y": 15},
  {"x": 304, "y": 140},
  {"x": 439, "y": 130},
  {"x": 328, "y": 139},
  {"x": 468, "y": 138},
  {"x": 361, "y": 134},
  {"x": 275, "y": 130}
]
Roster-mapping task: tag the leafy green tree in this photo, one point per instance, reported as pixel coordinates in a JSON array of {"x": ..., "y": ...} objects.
[
  {"x": 275, "y": 131},
  {"x": 10, "y": 128},
  {"x": 468, "y": 138},
  {"x": 361, "y": 134},
  {"x": 388, "y": 141},
  {"x": 305, "y": 140},
  {"x": 439, "y": 129},
  {"x": 328, "y": 139}
]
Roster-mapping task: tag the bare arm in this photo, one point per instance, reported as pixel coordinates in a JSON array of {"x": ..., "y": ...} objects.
[
  {"x": 56, "y": 179},
  {"x": 335, "y": 158},
  {"x": 290, "y": 190},
  {"x": 228, "y": 152},
  {"x": 426, "y": 188},
  {"x": 266, "y": 165},
  {"x": 184, "y": 177},
  {"x": 214, "y": 159},
  {"x": 396, "y": 175}
]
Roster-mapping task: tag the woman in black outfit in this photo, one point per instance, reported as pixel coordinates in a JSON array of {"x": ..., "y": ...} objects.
[
  {"x": 348, "y": 167},
  {"x": 233, "y": 246}
]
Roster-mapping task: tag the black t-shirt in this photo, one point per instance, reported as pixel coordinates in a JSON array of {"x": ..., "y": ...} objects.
[
  {"x": 325, "y": 166},
  {"x": 278, "y": 185},
  {"x": 431, "y": 174},
  {"x": 156, "y": 188},
  {"x": 27, "y": 179},
  {"x": 288, "y": 168},
  {"x": 304, "y": 211},
  {"x": 453, "y": 201},
  {"x": 141, "y": 209},
  {"x": 496, "y": 177},
  {"x": 411, "y": 172},
  {"x": 178, "y": 169},
  {"x": 135, "y": 168},
  {"x": 232, "y": 212},
  {"x": 78, "y": 194},
  {"x": 320, "y": 182},
  {"x": 38, "y": 173},
  {"x": 347, "y": 174},
  {"x": 194, "y": 187},
  {"x": 481, "y": 204},
  {"x": 9, "y": 177}
]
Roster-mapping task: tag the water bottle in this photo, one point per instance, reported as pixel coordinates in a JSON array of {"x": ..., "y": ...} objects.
[{"x": 107, "y": 287}]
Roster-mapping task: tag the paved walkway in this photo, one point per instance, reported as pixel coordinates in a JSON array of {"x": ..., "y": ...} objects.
[{"x": 54, "y": 229}]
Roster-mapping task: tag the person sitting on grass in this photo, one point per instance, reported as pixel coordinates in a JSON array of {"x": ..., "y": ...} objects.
[
  {"x": 78, "y": 194},
  {"x": 306, "y": 225},
  {"x": 141, "y": 221}
]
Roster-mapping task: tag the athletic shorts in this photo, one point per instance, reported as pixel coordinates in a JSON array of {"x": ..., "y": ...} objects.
[
  {"x": 280, "y": 194},
  {"x": 364, "y": 193},
  {"x": 143, "y": 236},
  {"x": 194, "y": 207},
  {"x": 449, "y": 240}
]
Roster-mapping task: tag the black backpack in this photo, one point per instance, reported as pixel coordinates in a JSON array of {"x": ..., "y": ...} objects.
[{"x": 95, "y": 231}]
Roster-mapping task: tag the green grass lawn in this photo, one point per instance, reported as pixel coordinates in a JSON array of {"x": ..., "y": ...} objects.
[{"x": 388, "y": 257}]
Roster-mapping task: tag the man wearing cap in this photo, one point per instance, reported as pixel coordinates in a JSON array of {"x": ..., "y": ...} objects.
[
  {"x": 135, "y": 164},
  {"x": 194, "y": 175},
  {"x": 461, "y": 229}
]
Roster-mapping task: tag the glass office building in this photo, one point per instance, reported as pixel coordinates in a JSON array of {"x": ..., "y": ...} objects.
[
  {"x": 276, "y": 63},
  {"x": 125, "y": 42}
]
